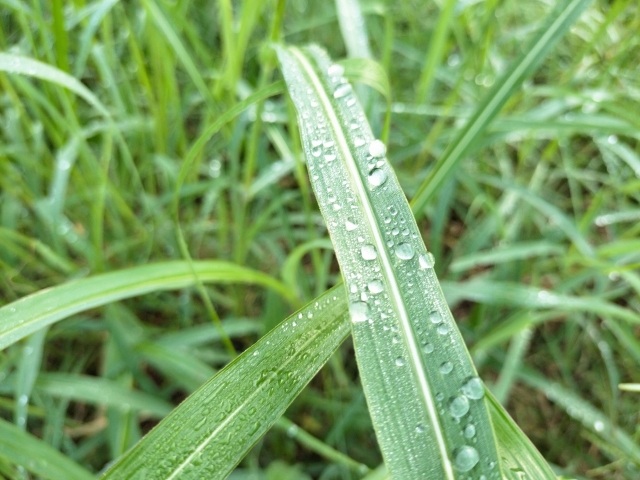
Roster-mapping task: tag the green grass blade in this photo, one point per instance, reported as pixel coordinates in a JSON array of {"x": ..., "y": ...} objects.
[
  {"x": 210, "y": 432},
  {"x": 36, "y": 456},
  {"x": 557, "y": 24},
  {"x": 10, "y": 63},
  {"x": 31, "y": 313},
  {"x": 421, "y": 386}
]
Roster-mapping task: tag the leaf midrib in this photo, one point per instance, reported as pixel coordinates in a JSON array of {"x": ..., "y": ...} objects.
[{"x": 387, "y": 269}]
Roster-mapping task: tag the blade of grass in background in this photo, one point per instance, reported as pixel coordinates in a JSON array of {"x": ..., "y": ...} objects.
[
  {"x": 210, "y": 432},
  {"x": 557, "y": 24},
  {"x": 33, "y": 312},
  {"x": 421, "y": 386}
]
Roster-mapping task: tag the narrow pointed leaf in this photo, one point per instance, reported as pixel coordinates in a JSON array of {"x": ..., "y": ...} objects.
[
  {"x": 421, "y": 386},
  {"x": 210, "y": 432}
]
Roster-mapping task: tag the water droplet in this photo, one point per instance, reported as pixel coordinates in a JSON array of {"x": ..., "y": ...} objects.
[
  {"x": 395, "y": 231},
  {"x": 342, "y": 90},
  {"x": 419, "y": 428},
  {"x": 330, "y": 158},
  {"x": 470, "y": 430},
  {"x": 442, "y": 329},
  {"x": 351, "y": 102},
  {"x": 435, "y": 317},
  {"x": 473, "y": 388},
  {"x": 400, "y": 361},
  {"x": 359, "y": 311},
  {"x": 466, "y": 458},
  {"x": 336, "y": 206},
  {"x": 335, "y": 70},
  {"x": 439, "y": 396},
  {"x": 377, "y": 177},
  {"x": 428, "y": 348},
  {"x": 350, "y": 224},
  {"x": 426, "y": 261},
  {"x": 459, "y": 406},
  {"x": 368, "y": 252},
  {"x": 612, "y": 139},
  {"x": 405, "y": 251},
  {"x": 358, "y": 142},
  {"x": 377, "y": 149},
  {"x": 375, "y": 286},
  {"x": 446, "y": 367},
  {"x": 598, "y": 425},
  {"x": 316, "y": 151}
]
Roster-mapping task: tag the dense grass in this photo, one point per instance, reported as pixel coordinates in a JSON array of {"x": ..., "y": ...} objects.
[{"x": 536, "y": 235}]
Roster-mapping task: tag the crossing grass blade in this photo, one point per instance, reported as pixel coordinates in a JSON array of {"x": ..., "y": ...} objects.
[
  {"x": 425, "y": 398},
  {"x": 557, "y": 24},
  {"x": 210, "y": 432},
  {"x": 31, "y": 313}
]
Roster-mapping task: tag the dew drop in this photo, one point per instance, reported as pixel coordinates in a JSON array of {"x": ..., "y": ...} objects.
[
  {"x": 426, "y": 261},
  {"x": 399, "y": 361},
  {"x": 419, "y": 428},
  {"x": 442, "y": 329},
  {"x": 446, "y": 367},
  {"x": 351, "y": 102},
  {"x": 359, "y": 312},
  {"x": 395, "y": 231},
  {"x": 358, "y": 142},
  {"x": 316, "y": 151},
  {"x": 598, "y": 425},
  {"x": 435, "y": 317},
  {"x": 466, "y": 458},
  {"x": 393, "y": 211},
  {"x": 470, "y": 430},
  {"x": 330, "y": 158},
  {"x": 375, "y": 286},
  {"x": 342, "y": 90},
  {"x": 459, "y": 406},
  {"x": 377, "y": 149},
  {"x": 377, "y": 177},
  {"x": 368, "y": 252},
  {"x": 439, "y": 396},
  {"x": 428, "y": 348},
  {"x": 473, "y": 388},
  {"x": 404, "y": 251},
  {"x": 350, "y": 224},
  {"x": 335, "y": 70}
]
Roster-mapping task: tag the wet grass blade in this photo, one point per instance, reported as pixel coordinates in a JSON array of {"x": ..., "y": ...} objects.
[
  {"x": 31, "y": 313},
  {"x": 423, "y": 392},
  {"x": 554, "y": 28},
  {"x": 210, "y": 432}
]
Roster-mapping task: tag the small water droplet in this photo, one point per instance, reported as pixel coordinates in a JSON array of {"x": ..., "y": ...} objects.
[
  {"x": 419, "y": 428},
  {"x": 358, "y": 142},
  {"x": 342, "y": 90},
  {"x": 359, "y": 311},
  {"x": 316, "y": 151},
  {"x": 368, "y": 252},
  {"x": 351, "y": 102},
  {"x": 428, "y": 348},
  {"x": 426, "y": 261},
  {"x": 442, "y": 329},
  {"x": 350, "y": 224},
  {"x": 469, "y": 430},
  {"x": 446, "y": 367},
  {"x": 439, "y": 396},
  {"x": 473, "y": 388},
  {"x": 393, "y": 211},
  {"x": 330, "y": 158},
  {"x": 336, "y": 206},
  {"x": 598, "y": 425},
  {"x": 612, "y": 139},
  {"x": 395, "y": 231},
  {"x": 466, "y": 458},
  {"x": 459, "y": 406},
  {"x": 377, "y": 149},
  {"x": 377, "y": 177},
  {"x": 435, "y": 317},
  {"x": 399, "y": 361},
  {"x": 375, "y": 286},
  {"x": 404, "y": 251}
]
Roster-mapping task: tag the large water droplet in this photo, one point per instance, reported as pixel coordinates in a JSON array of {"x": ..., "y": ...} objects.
[
  {"x": 377, "y": 149},
  {"x": 359, "y": 311},
  {"x": 459, "y": 406},
  {"x": 426, "y": 261},
  {"x": 368, "y": 252},
  {"x": 473, "y": 388},
  {"x": 446, "y": 367},
  {"x": 465, "y": 458},
  {"x": 375, "y": 286},
  {"x": 350, "y": 224},
  {"x": 405, "y": 251},
  {"x": 342, "y": 90},
  {"x": 377, "y": 177},
  {"x": 470, "y": 430},
  {"x": 435, "y": 317},
  {"x": 335, "y": 70}
]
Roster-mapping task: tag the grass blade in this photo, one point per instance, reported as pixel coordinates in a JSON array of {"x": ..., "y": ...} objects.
[
  {"x": 22, "y": 448},
  {"x": 421, "y": 386},
  {"x": 210, "y": 432},
  {"x": 556, "y": 25},
  {"x": 31, "y": 313}
]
